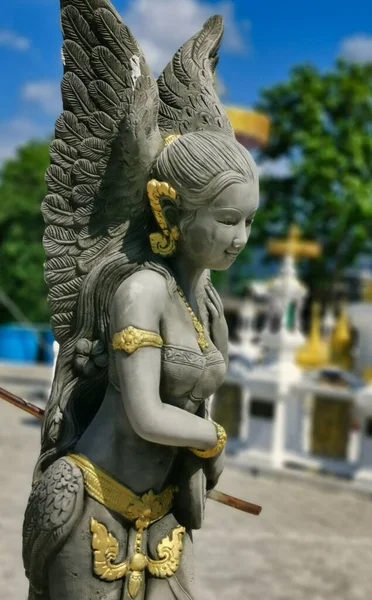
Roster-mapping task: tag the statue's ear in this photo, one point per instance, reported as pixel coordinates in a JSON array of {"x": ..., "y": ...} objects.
[{"x": 171, "y": 211}]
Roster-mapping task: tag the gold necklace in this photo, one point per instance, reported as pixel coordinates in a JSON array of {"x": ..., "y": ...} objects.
[{"x": 197, "y": 325}]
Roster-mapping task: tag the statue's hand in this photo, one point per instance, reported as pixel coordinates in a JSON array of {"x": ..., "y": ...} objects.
[
  {"x": 219, "y": 331},
  {"x": 213, "y": 468}
]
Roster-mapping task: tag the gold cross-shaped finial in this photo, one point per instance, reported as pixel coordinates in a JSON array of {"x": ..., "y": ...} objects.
[{"x": 293, "y": 246}]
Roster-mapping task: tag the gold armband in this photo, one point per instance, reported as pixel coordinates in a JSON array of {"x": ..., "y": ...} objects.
[
  {"x": 131, "y": 338},
  {"x": 211, "y": 452}
]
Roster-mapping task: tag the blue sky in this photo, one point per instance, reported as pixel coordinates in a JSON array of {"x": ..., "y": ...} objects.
[{"x": 263, "y": 40}]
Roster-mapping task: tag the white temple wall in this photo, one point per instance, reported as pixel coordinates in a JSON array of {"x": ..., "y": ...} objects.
[
  {"x": 260, "y": 434},
  {"x": 294, "y": 425}
]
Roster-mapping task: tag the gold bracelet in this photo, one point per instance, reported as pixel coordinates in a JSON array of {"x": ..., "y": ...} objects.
[{"x": 211, "y": 452}]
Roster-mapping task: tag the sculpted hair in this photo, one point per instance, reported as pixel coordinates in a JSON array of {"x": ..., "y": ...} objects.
[{"x": 200, "y": 165}]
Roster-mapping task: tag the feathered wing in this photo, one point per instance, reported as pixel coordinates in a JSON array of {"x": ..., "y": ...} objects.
[
  {"x": 105, "y": 140},
  {"x": 188, "y": 99}
]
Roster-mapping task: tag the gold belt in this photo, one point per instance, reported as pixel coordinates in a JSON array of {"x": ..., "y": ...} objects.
[{"x": 143, "y": 510}]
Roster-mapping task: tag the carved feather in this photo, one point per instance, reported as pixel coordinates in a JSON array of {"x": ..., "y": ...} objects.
[
  {"x": 56, "y": 210},
  {"x": 93, "y": 149},
  {"x": 208, "y": 41},
  {"x": 105, "y": 97},
  {"x": 76, "y": 60},
  {"x": 85, "y": 171},
  {"x": 83, "y": 215},
  {"x": 109, "y": 69},
  {"x": 87, "y": 242},
  {"x": 70, "y": 130},
  {"x": 82, "y": 194},
  {"x": 187, "y": 83},
  {"x": 93, "y": 253},
  {"x": 57, "y": 241},
  {"x": 88, "y": 7},
  {"x": 116, "y": 36},
  {"x": 174, "y": 90},
  {"x": 58, "y": 181},
  {"x": 75, "y": 96},
  {"x": 60, "y": 269},
  {"x": 62, "y": 154},
  {"x": 169, "y": 117},
  {"x": 102, "y": 126},
  {"x": 62, "y": 324},
  {"x": 65, "y": 293},
  {"x": 75, "y": 28}
]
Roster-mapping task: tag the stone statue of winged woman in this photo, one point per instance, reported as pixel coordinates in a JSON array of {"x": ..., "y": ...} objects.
[{"x": 148, "y": 190}]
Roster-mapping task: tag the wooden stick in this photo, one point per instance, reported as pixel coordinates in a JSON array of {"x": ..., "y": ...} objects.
[
  {"x": 248, "y": 507},
  {"x": 33, "y": 410}
]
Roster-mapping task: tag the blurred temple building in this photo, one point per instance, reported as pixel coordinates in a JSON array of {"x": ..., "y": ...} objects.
[
  {"x": 251, "y": 128},
  {"x": 296, "y": 401}
]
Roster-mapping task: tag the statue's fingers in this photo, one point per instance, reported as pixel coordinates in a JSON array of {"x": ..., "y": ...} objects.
[
  {"x": 217, "y": 300},
  {"x": 214, "y": 300},
  {"x": 212, "y": 308}
]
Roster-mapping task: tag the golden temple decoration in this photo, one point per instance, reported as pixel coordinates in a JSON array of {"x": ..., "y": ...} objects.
[
  {"x": 250, "y": 127},
  {"x": 197, "y": 324},
  {"x": 143, "y": 510},
  {"x": 131, "y": 339},
  {"x": 341, "y": 341},
  {"x": 294, "y": 246},
  {"x": 106, "y": 549},
  {"x": 221, "y": 443},
  {"x": 162, "y": 243},
  {"x": 367, "y": 374},
  {"x": 315, "y": 352},
  {"x": 367, "y": 290}
]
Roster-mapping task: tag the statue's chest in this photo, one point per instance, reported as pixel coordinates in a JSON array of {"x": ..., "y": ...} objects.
[{"x": 189, "y": 374}]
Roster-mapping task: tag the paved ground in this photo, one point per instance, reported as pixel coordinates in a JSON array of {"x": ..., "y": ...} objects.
[{"x": 308, "y": 543}]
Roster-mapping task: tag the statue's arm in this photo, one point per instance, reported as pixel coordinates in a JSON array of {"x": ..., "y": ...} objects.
[{"x": 140, "y": 301}]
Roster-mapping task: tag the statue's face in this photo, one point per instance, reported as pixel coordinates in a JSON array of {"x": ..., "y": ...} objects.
[{"x": 221, "y": 228}]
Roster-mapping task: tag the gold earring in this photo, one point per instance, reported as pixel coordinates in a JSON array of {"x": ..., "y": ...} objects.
[{"x": 162, "y": 243}]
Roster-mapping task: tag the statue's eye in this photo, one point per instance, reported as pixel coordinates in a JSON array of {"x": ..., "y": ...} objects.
[
  {"x": 249, "y": 222},
  {"x": 227, "y": 222}
]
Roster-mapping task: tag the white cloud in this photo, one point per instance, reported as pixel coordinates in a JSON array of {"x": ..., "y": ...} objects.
[
  {"x": 12, "y": 40},
  {"x": 276, "y": 168},
  {"x": 357, "y": 48},
  {"x": 16, "y": 132},
  {"x": 161, "y": 27},
  {"x": 47, "y": 94}
]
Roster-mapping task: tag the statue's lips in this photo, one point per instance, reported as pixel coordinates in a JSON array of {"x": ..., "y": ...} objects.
[{"x": 231, "y": 254}]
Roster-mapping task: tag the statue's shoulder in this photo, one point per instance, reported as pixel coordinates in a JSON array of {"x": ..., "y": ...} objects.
[{"x": 145, "y": 289}]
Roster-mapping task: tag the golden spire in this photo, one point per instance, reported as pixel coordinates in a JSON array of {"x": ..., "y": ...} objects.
[
  {"x": 341, "y": 341},
  {"x": 315, "y": 352},
  {"x": 293, "y": 246}
]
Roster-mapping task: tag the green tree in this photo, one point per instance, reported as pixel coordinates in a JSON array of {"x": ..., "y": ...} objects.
[
  {"x": 321, "y": 129},
  {"x": 22, "y": 189}
]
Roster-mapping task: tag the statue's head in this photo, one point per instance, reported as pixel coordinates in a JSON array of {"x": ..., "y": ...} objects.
[{"x": 206, "y": 200}]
